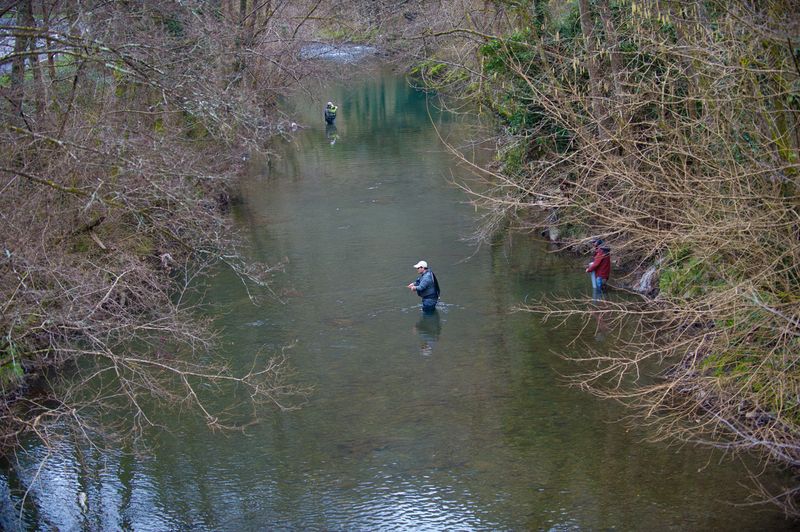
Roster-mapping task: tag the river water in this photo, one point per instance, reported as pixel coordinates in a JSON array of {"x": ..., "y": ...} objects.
[{"x": 459, "y": 421}]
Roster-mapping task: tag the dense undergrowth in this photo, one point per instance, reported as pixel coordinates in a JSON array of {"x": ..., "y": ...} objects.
[
  {"x": 670, "y": 129},
  {"x": 124, "y": 128}
]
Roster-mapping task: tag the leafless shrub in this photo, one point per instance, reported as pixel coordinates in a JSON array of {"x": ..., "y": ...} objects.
[
  {"x": 671, "y": 129},
  {"x": 125, "y": 124}
]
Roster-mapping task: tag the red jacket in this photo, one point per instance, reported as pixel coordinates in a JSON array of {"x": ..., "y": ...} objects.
[{"x": 601, "y": 264}]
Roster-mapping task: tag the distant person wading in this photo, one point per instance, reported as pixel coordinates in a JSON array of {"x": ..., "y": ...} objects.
[
  {"x": 426, "y": 286},
  {"x": 330, "y": 113}
]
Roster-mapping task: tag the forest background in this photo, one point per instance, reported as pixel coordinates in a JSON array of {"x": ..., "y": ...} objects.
[{"x": 669, "y": 128}]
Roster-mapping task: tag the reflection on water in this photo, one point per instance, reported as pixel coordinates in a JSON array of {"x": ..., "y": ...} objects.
[
  {"x": 428, "y": 328},
  {"x": 455, "y": 421},
  {"x": 331, "y": 133}
]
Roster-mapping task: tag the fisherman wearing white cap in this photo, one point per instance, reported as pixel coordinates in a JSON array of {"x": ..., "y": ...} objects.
[{"x": 426, "y": 286}]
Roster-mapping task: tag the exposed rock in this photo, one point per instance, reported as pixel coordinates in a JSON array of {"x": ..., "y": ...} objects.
[{"x": 648, "y": 282}]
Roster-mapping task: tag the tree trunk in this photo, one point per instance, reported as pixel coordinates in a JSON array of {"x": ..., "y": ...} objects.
[
  {"x": 36, "y": 67},
  {"x": 51, "y": 57},
  {"x": 21, "y": 40},
  {"x": 618, "y": 100},
  {"x": 263, "y": 14},
  {"x": 249, "y": 14},
  {"x": 230, "y": 10},
  {"x": 595, "y": 78},
  {"x": 677, "y": 13}
]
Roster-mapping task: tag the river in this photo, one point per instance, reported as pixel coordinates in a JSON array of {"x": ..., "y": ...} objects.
[{"x": 459, "y": 421}]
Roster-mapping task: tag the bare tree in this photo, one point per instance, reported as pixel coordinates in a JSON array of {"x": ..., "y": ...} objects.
[{"x": 118, "y": 164}]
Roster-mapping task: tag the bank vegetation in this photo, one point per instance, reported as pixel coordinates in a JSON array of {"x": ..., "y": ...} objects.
[
  {"x": 125, "y": 125},
  {"x": 669, "y": 128}
]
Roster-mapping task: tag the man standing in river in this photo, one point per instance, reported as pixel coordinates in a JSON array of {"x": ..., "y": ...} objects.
[
  {"x": 426, "y": 286},
  {"x": 330, "y": 113},
  {"x": 600, "y": 267}
]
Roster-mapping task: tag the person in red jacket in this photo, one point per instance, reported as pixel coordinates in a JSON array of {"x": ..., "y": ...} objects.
[{"x": 600, "y": 267}]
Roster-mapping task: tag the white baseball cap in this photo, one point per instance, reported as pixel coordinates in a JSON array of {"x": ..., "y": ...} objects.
[{"x": 421, "y": 264}]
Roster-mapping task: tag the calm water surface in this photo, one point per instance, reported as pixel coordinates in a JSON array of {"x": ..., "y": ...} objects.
[{"x": 456, "y": 422}]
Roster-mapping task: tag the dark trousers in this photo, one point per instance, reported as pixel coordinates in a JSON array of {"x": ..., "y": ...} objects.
[{"x": 429, "y": 305}]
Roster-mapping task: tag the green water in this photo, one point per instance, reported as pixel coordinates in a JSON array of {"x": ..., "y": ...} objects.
[{"x": 456, "y": 422}]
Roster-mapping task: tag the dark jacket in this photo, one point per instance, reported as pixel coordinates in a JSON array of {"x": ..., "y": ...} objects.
[
  {"x": 330, "y": 114},
  {"x": 427, "y": 287},
  {"x": 601, "y": 264}
]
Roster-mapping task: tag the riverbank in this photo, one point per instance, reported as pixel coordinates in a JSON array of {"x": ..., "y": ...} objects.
[
  {"x": 412, "y": 419},
  {"x": 122, "y": 157},
  {"x": 611, "y": 127}
]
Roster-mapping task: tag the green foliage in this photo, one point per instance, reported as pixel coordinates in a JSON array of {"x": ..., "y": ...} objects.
[
  {"x": 770, "y": 381},
  {"x": 11, "y": 372},
  {"x": 572, "y": 232},
  {"x": 745, "y": 149},
  {"x": 11, "y": 369},
  {"x": 174, "y": 27},
  {"x": 568, "y": 27},
  {"x": 430, "y": 69},
  {"x": 437, "y": 69},
  {"x": 502, "y": 56},
  {"x": 436, "y": 74},
  {"x": 144, "y": 246},
  {"x": 729, "y": 364},
  {"x": 194, "y": 126},
  {"x": 686, "y": 276},
  {"x": 793, "y": 98},
  {"x": 82, "y": 244},
  {"x": 503, "y": 60},
  {"x": 513, "y": 158},
  {"x": 515, "y": 115}
]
